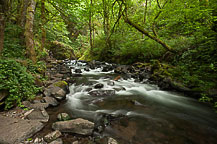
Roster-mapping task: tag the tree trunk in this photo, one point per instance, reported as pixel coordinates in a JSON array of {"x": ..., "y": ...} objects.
[
  {"x": 143, "y": 31},
  {"x": 90, "y": 25},
  {"x": 22, "y": 14},
  {"x": 29, "y": 35},
  {"x": 43, "y": 19}
]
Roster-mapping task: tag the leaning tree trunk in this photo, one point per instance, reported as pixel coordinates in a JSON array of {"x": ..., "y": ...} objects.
[
  {"x": 29, "y": 36},
  {"x": 143, "y": 31}
]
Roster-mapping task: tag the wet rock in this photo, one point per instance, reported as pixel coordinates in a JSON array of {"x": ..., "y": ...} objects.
[
  {"x": 41, "y": 116},
  {"x": 112, "y": 141},
  {"x": 107, "y": 68},
  {"x": 102, "y": 92},
  {"x": 98, "y": 86},
  {"x": 58, "y": 141},
  {"x": 88, "y": 89},
  {"x": 63, "y": 117},
  {"x": 119, "y": 89},
  {"x": 123, "y": 69},
  {"x": 59, "y": 95},
  {"x": 86, "y": 69},
  {"x": 76, "y": 75},
  {"x": 51, "y": 101},
  {"x": 78, "y": 126},
  {"x": 78, "y": 71},
  {"x": 111, "y": 83},
  {"x": 52, "y": 136}
]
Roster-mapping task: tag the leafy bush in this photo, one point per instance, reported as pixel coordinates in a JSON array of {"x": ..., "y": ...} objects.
[
  {"x": 13, "y": 44},
  {"x": 15, "y": 79}
]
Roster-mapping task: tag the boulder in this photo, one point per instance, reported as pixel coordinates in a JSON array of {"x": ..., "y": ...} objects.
[
  {"x": 98, "y": 86},
  {"x": 63, "y": 117},
  {"x": 102, "y": 92},
  {"x": 41, "y": 116},
  {"x": 78, "y": 126},
  {"x": 51, "y": 101},
  {"x": 52, "y": 136},
  {"x": 59, "y": 95},
  {"x": 13, "y": 131}
]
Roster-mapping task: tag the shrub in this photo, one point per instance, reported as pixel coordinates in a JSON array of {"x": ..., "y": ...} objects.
[{"x": 17, "y": 81}]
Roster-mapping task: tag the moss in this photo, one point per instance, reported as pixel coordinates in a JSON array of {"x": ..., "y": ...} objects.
[
  {"x": 61, "y": 51},
  {"x": 61, "y": 84}
]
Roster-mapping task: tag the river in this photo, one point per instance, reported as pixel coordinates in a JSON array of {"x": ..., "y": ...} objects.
[{"x": 140, "y": 112}]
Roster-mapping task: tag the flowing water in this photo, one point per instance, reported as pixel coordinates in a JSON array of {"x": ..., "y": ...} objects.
[{"x": 149, "y": 115}]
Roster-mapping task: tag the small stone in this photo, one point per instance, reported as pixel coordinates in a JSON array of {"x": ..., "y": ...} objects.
[
  {"x": 75, "y": 142},
  {"x": 86, "y": 69},
  {"x": 112, "y": 141},
  {"x": 52, "y": 136},
  {"x": 98, "y": 86},
  {"x": 63, "y": 117},
  {"x": 111, "y": 83},
  {"x": 58, "y": 141},
  {"x": 78, "y": 71}
]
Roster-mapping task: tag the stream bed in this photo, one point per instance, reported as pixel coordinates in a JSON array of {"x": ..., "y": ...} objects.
[{"x": 137, "y": 112}]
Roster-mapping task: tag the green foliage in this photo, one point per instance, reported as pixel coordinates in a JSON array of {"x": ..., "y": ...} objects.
[
  {"x": 15, "y": 79},
  {"x": 13, "y": 45}
]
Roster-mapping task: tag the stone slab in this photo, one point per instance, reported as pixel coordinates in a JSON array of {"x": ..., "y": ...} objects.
[{"x": 13, "y": 130}]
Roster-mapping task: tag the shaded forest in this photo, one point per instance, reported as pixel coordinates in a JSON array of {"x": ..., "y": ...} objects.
[{"x": 177, "y": 38}]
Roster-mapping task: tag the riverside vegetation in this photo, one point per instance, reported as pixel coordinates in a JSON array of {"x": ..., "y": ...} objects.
[
  {"x": 178, "y": 38},
  {"x": 174, "y": 42}
]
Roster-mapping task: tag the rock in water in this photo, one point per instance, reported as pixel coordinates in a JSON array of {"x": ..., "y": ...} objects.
[
  {"x": 78, "y": 71},
  {"x": 78, "y": 126},
  {"x": 52, "y": 136},
  {"x": 102, "y": 92},
  {"x": 99, "y": 86},
  {"x": 63, "y": 117}
]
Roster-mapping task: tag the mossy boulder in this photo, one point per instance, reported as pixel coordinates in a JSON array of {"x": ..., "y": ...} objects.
[
  {"x": 61, "y": 51},
  {"x": 61, "y": 84}
]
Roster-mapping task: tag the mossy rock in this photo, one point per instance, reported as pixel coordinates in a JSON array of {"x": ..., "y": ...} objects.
[
  {"x": 61, "y": 84},
  {"x": 61, "y": 51}
]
